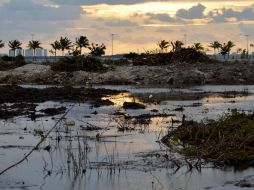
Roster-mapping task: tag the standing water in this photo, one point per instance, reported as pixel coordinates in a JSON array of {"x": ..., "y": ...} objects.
[{"x": 108, "y": 147}]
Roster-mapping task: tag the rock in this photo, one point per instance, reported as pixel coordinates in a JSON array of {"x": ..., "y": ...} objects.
[
  {"x": 245, "y": 183},
  {"x": 133, "y": 105},
  {"x": 192, "y": 77},
  {"x": 69, "y": 123}
]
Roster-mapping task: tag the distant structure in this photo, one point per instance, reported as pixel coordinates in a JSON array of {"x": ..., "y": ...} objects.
[
  {"x": 11, "y": 53},
  {"x": 17, "y": 52},
  {"x": 28, "y": 53}
]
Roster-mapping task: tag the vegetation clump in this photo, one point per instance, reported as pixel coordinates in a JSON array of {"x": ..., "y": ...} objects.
[
  {"x": 188, "y": 55},
  {"x": 8, "y": 63},
  {"x": 78, "y": 63},
  {"x": 228, "y": 141}
]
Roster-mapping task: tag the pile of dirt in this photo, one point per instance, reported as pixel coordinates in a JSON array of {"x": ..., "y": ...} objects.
[
  {"x": 189, "y": 55},
  {"x": 228, "y": 141},
  {"x": 79, "y": 63},
  {"x": 184, "y": 55}
]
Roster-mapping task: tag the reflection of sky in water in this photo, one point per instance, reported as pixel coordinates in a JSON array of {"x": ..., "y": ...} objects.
[{"x": 123, "y": 146}]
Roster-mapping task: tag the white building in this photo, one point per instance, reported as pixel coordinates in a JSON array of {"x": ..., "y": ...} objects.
[
  {"x": 28, "y": 53},
  {"x": 11, "y": 53},
  {"x": 17, "y": 52},
  {"x": 38, "y": 52}
]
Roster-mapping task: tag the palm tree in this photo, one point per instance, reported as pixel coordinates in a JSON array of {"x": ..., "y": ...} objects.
[
  {"x": 97, "y": 50},
  {"x": 215, "y": 45},
  {"x": 14, "y": 45},
  {"x": 230, "y": 45},
  {"x": 82, "y": 42},
  {"x": 55, "y": 46},
  {"x": 177, "y": 45},
  {"x": 226, "y": 48},
  {"x": 251, "y": 45},
  {"x": 33, "y": 45},
  {"x": 238, "y": 51},
  {"x": 198, "y": 47},
  {"x": 163, "y": 45},
  {"x": 1, "y": 44},
  {"x": 65, "y": 44}
]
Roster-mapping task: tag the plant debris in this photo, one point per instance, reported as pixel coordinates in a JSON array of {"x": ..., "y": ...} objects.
[{"x": 228, "y": 141}]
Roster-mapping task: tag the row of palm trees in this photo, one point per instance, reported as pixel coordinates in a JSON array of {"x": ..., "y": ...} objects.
[
  {"x": 222, "y": 48},
  {"x": 64, "y": 43}
]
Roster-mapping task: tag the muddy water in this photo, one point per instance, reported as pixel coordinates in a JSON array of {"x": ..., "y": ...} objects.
[{"x": 133, "y": 159}]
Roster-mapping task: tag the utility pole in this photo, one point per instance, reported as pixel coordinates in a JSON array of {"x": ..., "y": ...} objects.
[
  {"x": 113, "y": 35},
  {"x": 32, "y": 36},
  {"x": 247, "y": 40},
  {"x": 185, "y": 39}
]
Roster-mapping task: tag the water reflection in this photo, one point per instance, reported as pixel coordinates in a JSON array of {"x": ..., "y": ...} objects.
[{"x": 117, "y": 159}]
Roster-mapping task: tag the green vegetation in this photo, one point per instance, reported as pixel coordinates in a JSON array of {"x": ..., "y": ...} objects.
[
  {"x": 33, "y": 45},
  {"x": 78, "y": 63},
  {"x": 188, "y": 55},
  {"x": 227, "y": 141},
  {"x": 14, "y": 45},
  {"x": 82, "y": 42},
  {"x": 97, "y": 50}
]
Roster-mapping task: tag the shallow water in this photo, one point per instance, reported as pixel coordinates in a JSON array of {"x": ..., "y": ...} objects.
[{"x": 117, "y": 160}]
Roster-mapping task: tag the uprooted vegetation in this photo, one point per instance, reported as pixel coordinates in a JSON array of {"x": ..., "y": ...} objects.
[
  {"x": 187, "y": 55},
  {"x": 228, "y": 141},
  {"x": 78, "y": 63}
]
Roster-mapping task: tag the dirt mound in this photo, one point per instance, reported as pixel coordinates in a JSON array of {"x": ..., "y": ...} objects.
[
  {"x": 185, "y": 55},
  {"x": 189, "y": 55},
  {"x": 78, "y": 64}
]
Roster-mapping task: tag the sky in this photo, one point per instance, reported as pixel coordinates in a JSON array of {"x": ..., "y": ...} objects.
[{"x": 138, "y": 24}]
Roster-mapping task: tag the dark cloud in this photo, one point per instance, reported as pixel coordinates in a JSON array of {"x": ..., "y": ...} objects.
[
  {"x": 224, "y": 14},
  {"x": 195, "y": 12},
  {"x": 163, "y": 17},
  {"x": 25, "y": 10}
]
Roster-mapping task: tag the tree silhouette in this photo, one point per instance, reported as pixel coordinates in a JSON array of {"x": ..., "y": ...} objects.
[
  {"x": 215, "y": 45},
  {"x": 82, "y": 42},
  {"x": 198, "y": 47},
  {"x": 177, "y": 45},
  {"x": 97, "y": 50},
  {"x": 33, "y": 45},
  {"x": 163, "y": 45},
  {"x": 14, "y": 45},
  {"x": 55, "y": 46},
  {"x": 1, "y": 44},
  {"x": 65, "y": 44},
  {"x": 226, "y": 48}
]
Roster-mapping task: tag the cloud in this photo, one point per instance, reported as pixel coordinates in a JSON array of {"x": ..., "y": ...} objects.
[
  {"x": 195, "y": 12},
  {"x": 163, "y": 17},
  {"x": 94, "y": 2},
  {"x": 120, "y": 23},
  {"x": 27, "y": 10},
  {"x": 225, "y": 15}
]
